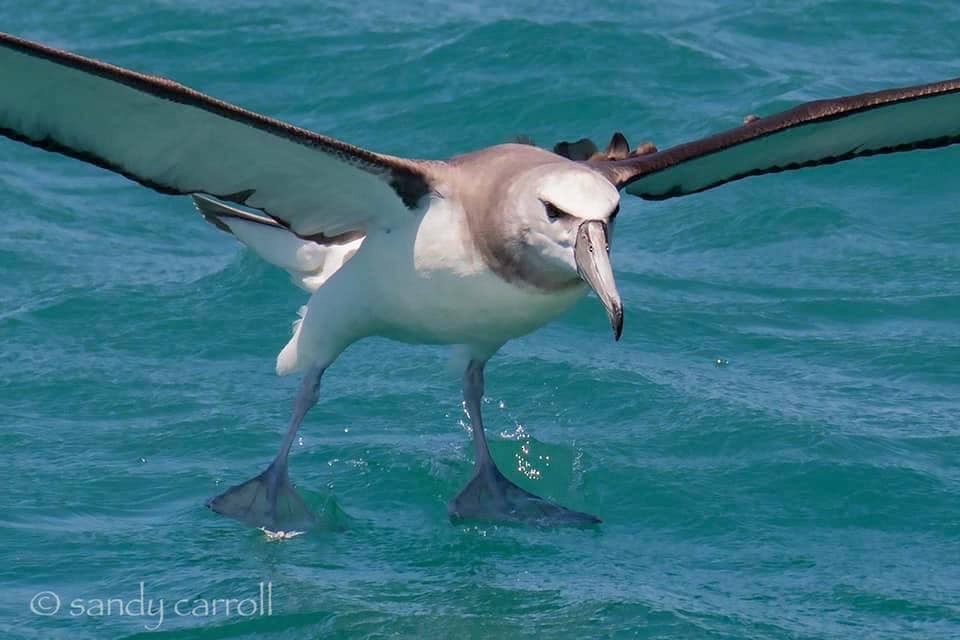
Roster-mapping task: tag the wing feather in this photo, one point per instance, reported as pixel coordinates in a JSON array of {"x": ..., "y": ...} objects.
[
  {"x": 175, "y": 140},
  {"x": 815, "y": 133}
]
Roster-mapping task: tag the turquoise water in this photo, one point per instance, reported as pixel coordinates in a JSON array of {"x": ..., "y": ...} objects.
[{"x": 809, "y": 488}]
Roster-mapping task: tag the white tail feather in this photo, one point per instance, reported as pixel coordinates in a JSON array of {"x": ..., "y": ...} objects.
[{"x": 309, "y": 263}]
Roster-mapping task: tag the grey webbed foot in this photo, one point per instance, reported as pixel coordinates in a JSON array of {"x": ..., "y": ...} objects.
[
  {"x": 490, "y": 496},
  {"x": 267, "y": 501}
]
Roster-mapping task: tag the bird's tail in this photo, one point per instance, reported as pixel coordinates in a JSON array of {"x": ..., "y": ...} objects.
[{"x": 309, "y": 263}]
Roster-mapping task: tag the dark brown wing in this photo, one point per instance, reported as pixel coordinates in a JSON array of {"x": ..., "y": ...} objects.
[
  {"x": 815, "y": 133},
  {"x": 175, "y": 140}
]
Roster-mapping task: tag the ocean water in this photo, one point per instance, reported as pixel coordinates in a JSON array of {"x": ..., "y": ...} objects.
[{"x": 807, "y": 487}]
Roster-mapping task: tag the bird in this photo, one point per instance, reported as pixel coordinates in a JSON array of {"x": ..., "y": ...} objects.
[{"x": 472, "y": 251}]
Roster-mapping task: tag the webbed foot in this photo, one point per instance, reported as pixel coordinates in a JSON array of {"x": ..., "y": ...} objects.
[
  {"x": 267, "y": 501},
  {"x": 490, "y": 496}
]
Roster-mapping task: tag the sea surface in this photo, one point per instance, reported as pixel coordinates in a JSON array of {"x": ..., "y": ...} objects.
[{"x": 773, "y": 446}]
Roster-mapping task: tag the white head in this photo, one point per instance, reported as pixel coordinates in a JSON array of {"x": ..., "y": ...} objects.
[
  {"x": 552, "y": 227},
  {"x": 564, "y": 197}
]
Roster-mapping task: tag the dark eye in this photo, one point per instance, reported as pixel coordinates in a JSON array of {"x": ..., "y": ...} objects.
[{"x": 553, "y": 212}]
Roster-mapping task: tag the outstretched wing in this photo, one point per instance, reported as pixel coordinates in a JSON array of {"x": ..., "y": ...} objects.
[
  {"x": 178, "y": 141},
  {"x": 814, "y": 133}
]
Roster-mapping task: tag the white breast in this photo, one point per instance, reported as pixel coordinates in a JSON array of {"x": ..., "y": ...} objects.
[
  {"x": 423, "y": 283},
  {"x": 432, "y": 286}
]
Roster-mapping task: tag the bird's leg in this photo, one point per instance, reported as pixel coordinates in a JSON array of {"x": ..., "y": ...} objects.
[
  {"x": 490, "y": 495},
  {"x": 269, "y": 500}
]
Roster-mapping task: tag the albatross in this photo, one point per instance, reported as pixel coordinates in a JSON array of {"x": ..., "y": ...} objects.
[{"x": 472, "y": 251}]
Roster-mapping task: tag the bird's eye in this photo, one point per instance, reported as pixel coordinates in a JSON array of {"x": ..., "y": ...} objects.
[{"x": 553, "y": 212}]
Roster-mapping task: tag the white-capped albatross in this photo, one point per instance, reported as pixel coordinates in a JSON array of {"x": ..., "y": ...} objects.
[{"x": 471, "y": 251}]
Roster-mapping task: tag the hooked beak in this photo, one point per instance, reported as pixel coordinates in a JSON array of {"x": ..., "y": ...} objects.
[{"x": 592, "y": 255}]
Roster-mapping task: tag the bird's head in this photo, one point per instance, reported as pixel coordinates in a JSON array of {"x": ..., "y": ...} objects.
[{"x": 562, "y": 221}]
